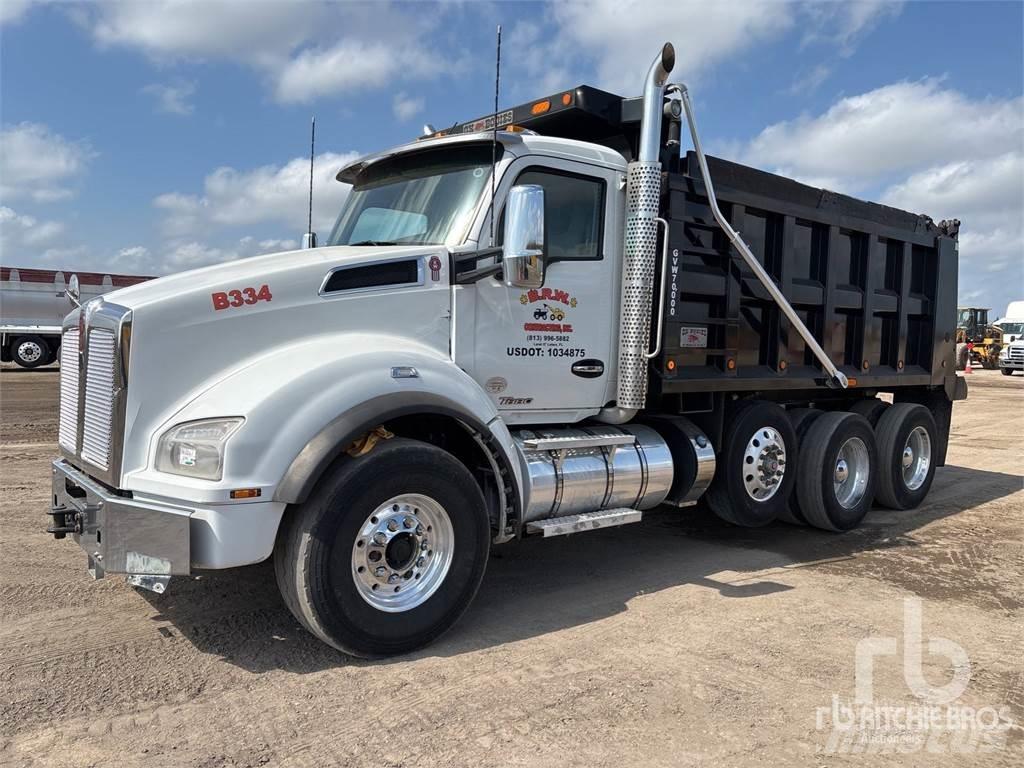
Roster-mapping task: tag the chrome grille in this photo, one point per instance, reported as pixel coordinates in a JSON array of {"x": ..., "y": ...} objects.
[
  {"x": 67, "y": 433},
  {"x": 99, "y": 398},
  {"x": 1016, "y": 354}
]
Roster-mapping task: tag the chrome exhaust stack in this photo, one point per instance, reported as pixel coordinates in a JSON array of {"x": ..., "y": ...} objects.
[{"x": 643, "y": 197}]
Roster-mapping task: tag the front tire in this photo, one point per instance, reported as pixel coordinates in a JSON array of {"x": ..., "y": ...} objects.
[
  {"x": 388, "y": 551},
  {"x": 30, "y": 351},
  {"x": 1006, "y": 371}
]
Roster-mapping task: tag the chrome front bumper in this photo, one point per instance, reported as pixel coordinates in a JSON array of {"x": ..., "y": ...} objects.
[{"x": 149, "y": 541}]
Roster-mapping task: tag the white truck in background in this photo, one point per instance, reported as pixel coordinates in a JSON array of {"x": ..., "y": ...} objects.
[
  {"x": 33, "y": 304},
  {"x": 1011, "y": 356},
  {"x": 535, "y": 323}
]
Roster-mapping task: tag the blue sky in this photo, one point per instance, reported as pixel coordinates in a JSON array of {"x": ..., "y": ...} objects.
[{"x": 156, "y": 136}]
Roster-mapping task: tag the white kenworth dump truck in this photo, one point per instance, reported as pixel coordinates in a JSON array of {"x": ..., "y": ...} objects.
[{"x": 374, "y": 414}]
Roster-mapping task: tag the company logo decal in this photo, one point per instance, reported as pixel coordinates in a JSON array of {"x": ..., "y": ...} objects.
[
  {"x": 548, "y": 311},
  {"x": 435, "y": 268}
]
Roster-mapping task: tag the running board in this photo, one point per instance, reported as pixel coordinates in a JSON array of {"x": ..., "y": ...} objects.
[{"x": 585, "y": 521}]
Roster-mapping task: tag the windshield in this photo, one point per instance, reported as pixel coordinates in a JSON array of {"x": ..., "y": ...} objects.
[
  {"x": 419, "y": 198},
  {"x": 1012, "y": 327}
]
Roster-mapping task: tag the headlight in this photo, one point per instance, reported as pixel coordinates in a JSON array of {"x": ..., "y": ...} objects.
[
  {"x": 1004, "y": 352},
  {"x": 196, "y": 448}
]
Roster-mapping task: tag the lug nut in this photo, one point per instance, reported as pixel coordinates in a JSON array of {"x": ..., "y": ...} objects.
[
  {"x": 423, "y": 544},
  {"x": 380, "y": 538},
  {"x": 409, "y": 522},
  {"x": 392, "y": 525},
  {"x": 419, "y": 530},
  {"x": 380, "y": 571},
  {"x": 393, "y": 578},
  {"x": 421, "y": 562}
]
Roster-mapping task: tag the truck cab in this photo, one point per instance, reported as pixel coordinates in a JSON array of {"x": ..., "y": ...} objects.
[{"x": 536, "y": 323}]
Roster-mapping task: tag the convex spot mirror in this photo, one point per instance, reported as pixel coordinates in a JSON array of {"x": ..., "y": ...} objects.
[
  {"x": 523, "y": 257},
  {"x": 74, "y": 292}
]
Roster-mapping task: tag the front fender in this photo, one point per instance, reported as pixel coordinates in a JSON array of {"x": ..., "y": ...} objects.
[{"x": 305, "y": 403}]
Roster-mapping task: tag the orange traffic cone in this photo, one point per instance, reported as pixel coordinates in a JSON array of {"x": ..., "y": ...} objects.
[{"x": 970, "y": 348}]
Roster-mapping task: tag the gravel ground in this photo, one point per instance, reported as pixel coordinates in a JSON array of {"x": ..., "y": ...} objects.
[{"x": 679, "y": 641}]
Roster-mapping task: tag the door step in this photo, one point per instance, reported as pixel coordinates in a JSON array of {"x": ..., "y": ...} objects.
[{"x": 585, "y": 521}]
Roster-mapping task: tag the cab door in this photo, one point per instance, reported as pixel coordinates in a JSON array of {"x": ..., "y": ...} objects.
[{"x": 551, "y": 349}]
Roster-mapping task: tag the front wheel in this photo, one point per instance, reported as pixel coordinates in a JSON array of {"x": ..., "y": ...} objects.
[
  {"x": 387, "y": 552},
  {"x": 1006, "y": 371}
]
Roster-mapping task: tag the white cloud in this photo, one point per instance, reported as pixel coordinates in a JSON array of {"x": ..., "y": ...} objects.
[
  {"x": 621, "y": 37},
  {"x": 237, "y": 29},
  {"x": 894, "y": 129},
  {"x": 172, "y": 98},
  {"x": 304, "y": 50},
  {"x": 12, "y": 11},
  {"x": 38, "y": 164},
  {"x": 349, "y": 65},
  {"x": 270, "y": 194},
  {"x": 196, "y": 254},
  {"x": 407, "y": 107},
  {"x": 927, "y": 149},
  {"x": 809, "y": 81},
  {"x": 22, "y": 236},
  {"x": 843, "y": 24}
]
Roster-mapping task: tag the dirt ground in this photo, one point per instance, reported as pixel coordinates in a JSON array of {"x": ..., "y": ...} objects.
[{"x": 677, "y": 642}]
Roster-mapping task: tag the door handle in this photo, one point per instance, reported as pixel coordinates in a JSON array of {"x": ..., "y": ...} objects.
[{"x": 588, "y": 369}]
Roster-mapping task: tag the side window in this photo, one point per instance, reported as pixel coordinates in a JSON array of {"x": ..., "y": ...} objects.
[{"x": 574, "y": 207}]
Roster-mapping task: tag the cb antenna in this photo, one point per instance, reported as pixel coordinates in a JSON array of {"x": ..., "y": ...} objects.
[
  {"x": 309, "y": 239},
  {"x": 494, "y": 134}
]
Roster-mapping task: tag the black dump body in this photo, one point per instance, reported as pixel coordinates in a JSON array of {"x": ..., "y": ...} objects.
[{"x": 875, "y": 285}]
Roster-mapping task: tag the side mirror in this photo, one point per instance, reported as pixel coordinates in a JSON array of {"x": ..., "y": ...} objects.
[
  {"x": 74, "y": 292},
  {"x": 523, "y": 258}
]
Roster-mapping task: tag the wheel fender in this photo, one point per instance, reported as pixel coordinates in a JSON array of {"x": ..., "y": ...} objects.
[{"x": 304, "y": 404}]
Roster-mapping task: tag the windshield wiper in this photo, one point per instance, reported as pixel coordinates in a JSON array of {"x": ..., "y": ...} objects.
[{"x": 378, "y": 242}]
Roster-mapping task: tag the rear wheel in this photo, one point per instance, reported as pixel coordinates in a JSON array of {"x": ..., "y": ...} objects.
[
  {"x": 30, "y": 351},
  {"x": 387, "y": 552},
  {"x": 906, "y": 451},
  {"x": 755, "y": 476},
  {"x": 835, "y": 484},
  {"x": 801, "y": 419}
]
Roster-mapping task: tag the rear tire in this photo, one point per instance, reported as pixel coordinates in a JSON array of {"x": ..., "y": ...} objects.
[
  {"x": 344, "y": 526},
  {"x": 30, "y": 351},
  {"x": 907, "y": 445},
  {"x": 835, "y": 484},
  {"x": 755, "y": 475},
  {"x": 801, "y": 419},
  {"x": 871, "y": 408}
]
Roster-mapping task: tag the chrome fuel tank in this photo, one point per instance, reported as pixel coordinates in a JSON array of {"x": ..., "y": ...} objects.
[{"x": 592, "y": 468}]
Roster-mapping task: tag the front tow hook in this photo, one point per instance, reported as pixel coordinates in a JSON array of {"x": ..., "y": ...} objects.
[{"x": 65, "y": 521}]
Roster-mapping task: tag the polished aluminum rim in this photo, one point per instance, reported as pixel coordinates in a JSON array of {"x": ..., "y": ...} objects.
[
  {"x": 917, "y": 458},
  {"x": 402, "y": 552},
  {"x": 30, "y": 351},
  {"x": 850, "y": 477},
  {"x": 764, "y": 464}
]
